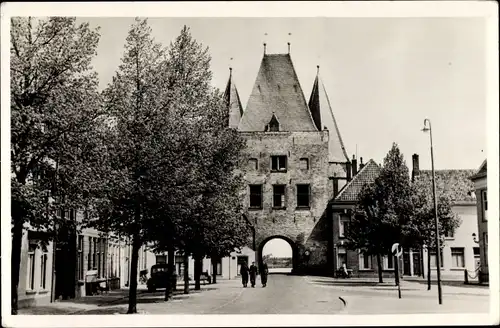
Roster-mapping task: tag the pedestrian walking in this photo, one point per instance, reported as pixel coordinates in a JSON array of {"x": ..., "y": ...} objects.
[
  {"x": 264, "y": 271},
  {"x": 253, "y": 274},
  {"x": 244, "y": 274}
]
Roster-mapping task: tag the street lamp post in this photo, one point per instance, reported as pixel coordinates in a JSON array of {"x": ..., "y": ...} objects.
[{"x": 436, "y": 219}]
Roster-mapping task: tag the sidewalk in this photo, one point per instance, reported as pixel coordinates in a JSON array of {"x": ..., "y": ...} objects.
[{"x": 116, "y": 302}]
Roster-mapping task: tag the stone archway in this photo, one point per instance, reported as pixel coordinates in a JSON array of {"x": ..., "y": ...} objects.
[{"x": 295, "y": 251}]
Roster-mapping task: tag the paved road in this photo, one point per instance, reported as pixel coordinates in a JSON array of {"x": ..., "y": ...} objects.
[{"x": 284, "y": 294}]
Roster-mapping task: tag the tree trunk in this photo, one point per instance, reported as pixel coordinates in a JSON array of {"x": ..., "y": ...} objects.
[
  {"x": 214, "y": 270},
  {"x": 17, "y": 238},
  {"x": 428, "y": 268},
  {"x": 186, "y": 273},
  {"x": 379, "y": 262},
  {"x": 422, "y": 267},
  {"x": 171, "y": 264},
  {"x": 197, "y": 272},
  {"x": 132, "y": 295}
]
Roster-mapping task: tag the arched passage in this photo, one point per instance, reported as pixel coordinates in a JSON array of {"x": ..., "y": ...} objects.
[{"x": 281, "y": 249}]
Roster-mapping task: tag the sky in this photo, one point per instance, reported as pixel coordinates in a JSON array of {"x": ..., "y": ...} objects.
[{"x": 383, "y": 76}]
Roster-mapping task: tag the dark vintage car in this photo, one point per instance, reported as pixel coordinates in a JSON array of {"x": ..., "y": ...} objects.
[{"x": 159, "y": 276}]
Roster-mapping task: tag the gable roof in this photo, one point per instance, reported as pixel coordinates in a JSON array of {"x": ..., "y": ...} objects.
[
  {"x": 454, "y": 183},
  {"x": 481, "y": 173},
  {"x": 277, "y": 91},
  {"x": 323, "y": 117},
  {"x": 366, "y": 175},
  {"x": 233, "y": 103}
]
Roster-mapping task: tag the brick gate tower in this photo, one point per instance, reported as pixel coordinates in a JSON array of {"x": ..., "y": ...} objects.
[{"x": 293, "y": 164}]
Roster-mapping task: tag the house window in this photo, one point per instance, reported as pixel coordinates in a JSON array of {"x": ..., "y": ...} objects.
[
  {"x": 389, "y": 262},
  {"x": 343, "y": 226},
  {"x": 341, "y": 258},
  {"x": 219, "y": 267},
  {"x": 278, "y": 163},
  {"x": 80, "y": 257},
  {"x": 31, "y": 266},
  {"x": 434, "y": 259},
  {"x": 485, "y": 246},
  {"x": 365, "y": 261},
  {"x": 43, "y": 270},
  {"x": 477, "y": 258},
  {"x": 94, "y": 254},
  {"x": 449, "y": 234},
  {"x": 303, "y": 195},
  {"x": 485, "y": 205},
  {"x": 89, "y": 260},
  {"x": 256, "y": 196},
  {"x": 253, "y": 164},
  {"x": 279, "y": 196},
  {"x": 304, "y": 164},
  {"x": 457, "y": 257},
  {"x": 179, "y": 265},
  {"x": 98, "y": 248},
  {"x": 161, "y": 259}
]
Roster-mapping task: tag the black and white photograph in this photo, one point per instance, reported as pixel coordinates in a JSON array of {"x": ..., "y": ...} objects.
[{"x": 287, "y": 163}]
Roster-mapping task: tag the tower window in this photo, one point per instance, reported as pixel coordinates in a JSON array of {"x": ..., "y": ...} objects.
[
  {"x": 279, "y": 196},
  {"x": 304, "y": 164},
  {"x": 278, "y": 163},
  {"x": 256, "y": 196},
  {"x": 303, "y": 195},
  {"x": 253, "y": 164}
]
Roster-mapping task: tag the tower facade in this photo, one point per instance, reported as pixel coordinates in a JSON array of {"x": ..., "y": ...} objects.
[{"x": 292, "y": 164}]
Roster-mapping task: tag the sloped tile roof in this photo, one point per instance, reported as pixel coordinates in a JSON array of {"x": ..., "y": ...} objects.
[
  {"x": 454, "y": 183},
  {"x": 233, "y": 103},
  {"x": 483, "y": 170},
  {"x": 277, "y": 90},
  {"x": 323, "y": 117},
  {"x": 366, "y": 175}
]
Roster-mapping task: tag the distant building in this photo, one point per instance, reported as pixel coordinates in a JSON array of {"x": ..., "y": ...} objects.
[
  {"x": 460, "y": 252},
  {"x": 481, "y": 191}
]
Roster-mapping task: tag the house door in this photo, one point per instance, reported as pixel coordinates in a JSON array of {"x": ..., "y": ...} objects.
[
  {"x": 416, "y": 264},
  {"x": 406, "y": 262}
]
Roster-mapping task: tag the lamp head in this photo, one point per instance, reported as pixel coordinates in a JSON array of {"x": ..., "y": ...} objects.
[
  {"x": 426, "y": 129},
  {"x": 473, "y": 235}
]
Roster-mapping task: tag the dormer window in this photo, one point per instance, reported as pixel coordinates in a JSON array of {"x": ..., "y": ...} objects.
[{"x": 274, "y": 125}]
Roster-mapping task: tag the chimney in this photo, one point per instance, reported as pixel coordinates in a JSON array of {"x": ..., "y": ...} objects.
[
  {"x": 354, "y": 166},
  {"x": 361, "y": 165},
  {"x": 348, "y": 171},
  {"x": 416, "y": 170}
]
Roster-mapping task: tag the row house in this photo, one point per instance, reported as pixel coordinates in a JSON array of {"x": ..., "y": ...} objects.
[{"x": 481, "y": 238}]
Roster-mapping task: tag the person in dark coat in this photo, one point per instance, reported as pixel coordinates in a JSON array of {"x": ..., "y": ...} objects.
[
  {"x": 264, "y": 271},
  {"x": 244, "y": 274},
  {"x": 253, "y": 274}
]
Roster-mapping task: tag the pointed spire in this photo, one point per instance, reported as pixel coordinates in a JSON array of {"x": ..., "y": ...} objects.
[
  {"x": 322, "y": 114},
  {"x": 288, "y": 47},
  {"x": 264, "y": 48},
  {"x": 233, "y": 102}
]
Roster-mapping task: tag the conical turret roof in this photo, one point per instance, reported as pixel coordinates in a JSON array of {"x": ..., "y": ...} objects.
[
  {"x": 233, "y": 102},
  {"x": 323, "y": 117}
]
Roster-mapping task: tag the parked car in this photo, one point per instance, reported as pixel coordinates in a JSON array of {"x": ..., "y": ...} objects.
[{"x": 158, "y": 278}]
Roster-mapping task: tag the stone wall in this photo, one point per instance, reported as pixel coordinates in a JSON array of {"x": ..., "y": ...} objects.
[{"x": 304, "y": 228}]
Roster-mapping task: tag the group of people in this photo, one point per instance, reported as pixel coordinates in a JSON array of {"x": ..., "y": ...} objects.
[{"x": 251, "y": 272}]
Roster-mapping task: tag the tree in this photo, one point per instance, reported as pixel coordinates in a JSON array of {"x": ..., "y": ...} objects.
[
  {"x": 421, "y": 228},
  {"x": 136, "y": 144},
  {"x": 54, "y": 111},
  {"x": 204, "y": 216},
  {"x": 382, "y": 210}
]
